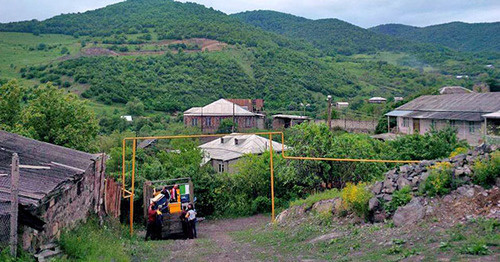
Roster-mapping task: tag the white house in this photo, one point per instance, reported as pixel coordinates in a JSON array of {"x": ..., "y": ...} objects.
[{"x": 224, "y": 152}]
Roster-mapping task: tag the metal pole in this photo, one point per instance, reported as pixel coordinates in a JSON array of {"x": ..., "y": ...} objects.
[
  {"x": 272, "y": 174},
  {"x": 14, "y": 200},
  {"x": 232, "y": 127},
  {"x": 132, "y": 190},
  {"x": 388, "y": 124},
  {"x": 329, "y": 120},
  {"x": 123, "y": 167}
]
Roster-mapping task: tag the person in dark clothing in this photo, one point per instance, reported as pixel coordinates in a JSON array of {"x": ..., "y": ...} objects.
[
  {"x": 151, "y": 226},
  {"x": 184, "y": 222},
  {"x": 190, "y": 206}
]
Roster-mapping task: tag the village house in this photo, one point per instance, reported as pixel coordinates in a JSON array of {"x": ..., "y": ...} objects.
[
  {"x": 377, "y": 100},
  {"x": 58, "y": 187},
  {"x": 223, "y": 153},
  {"x": 286, "y": 121},
  {"x": 467, "y": 112},
  {"x": 209, "y": 117}
]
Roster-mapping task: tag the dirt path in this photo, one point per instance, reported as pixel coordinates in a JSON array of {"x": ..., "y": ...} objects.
[{"x": 214, "y": 242}]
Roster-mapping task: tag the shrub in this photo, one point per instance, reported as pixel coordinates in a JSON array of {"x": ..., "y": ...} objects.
[
  {"x": 486, "y": 171},
  {"x": 458, "y": 151},
  {"x": 311, "y": 199},
  {"x": 355, "y": 198},
  {"x": 261, "y": 204},
  {"x": 476, "y": 247},
  {"x": 439, "y": 181},
  {"x": 399, "y": 198}
]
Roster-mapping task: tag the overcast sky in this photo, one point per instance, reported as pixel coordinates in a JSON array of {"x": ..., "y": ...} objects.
[{"x": 365, "y": 13}]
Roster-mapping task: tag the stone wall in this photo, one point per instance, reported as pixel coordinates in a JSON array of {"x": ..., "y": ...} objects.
[
  {"x": 414, "y": 175},
  {"x": 65, "y": 209}
]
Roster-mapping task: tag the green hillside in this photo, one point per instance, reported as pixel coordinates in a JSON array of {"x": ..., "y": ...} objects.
[
  {"x": 141, "y": 49},
  {"x": 331, "y": 35},
  {"x": 478, "y": 37}
]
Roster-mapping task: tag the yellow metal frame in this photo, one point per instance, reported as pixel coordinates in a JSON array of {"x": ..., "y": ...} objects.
[{"x": 130, "y": 193}]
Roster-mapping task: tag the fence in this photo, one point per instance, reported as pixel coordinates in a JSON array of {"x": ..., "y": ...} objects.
[{"x": 9, "y": 185}]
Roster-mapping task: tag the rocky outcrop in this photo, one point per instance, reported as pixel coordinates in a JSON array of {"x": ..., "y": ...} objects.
[
  {"x": 414, "y": 175},
  {"x": 409, "y": 214}
]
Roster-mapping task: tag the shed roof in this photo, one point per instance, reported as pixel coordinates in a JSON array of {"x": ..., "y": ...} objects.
[
  {"x": 291, "y": 117},
  {"x": 221, "y": 107},
  {"x": 492, "y": 115},
  {"x": 471, "y": 102},
  {"x": 446, "y": 90},
  {"x": 228, "y": 150},
  {"x": 51, "y": 167}
]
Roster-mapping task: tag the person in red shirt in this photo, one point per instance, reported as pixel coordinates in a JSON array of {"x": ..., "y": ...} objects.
[
  {"x": 174, "y": 194},
  {"x": 150, "y": 229}
]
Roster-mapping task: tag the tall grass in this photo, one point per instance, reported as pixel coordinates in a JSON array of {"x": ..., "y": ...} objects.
[{"x": 311, "y": 199}]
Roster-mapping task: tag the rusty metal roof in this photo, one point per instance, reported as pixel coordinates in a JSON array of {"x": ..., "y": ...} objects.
[{"x": 45, "y": 168}]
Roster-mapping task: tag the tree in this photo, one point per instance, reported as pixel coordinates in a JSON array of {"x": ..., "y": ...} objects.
[
  {"x": 10, "y": 103},
  {"x": 60, "y": 119},
  {"x": 135, "y": 107},
  {"x": 226, "y": 126}
]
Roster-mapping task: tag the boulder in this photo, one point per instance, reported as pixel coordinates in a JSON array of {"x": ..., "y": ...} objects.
[
  {"x": 373, "y": 203},
  {"x": 388, "y": 187},
  {"x": 290, "y": 214},
  {"x": 324, "y": 206},
  {"x": 402, "y": 182},
  {"x": 379, "y": 216},
  {"x": 409, "y": 214},
  {"x": 377, "y": 188},
  {"x": 466, "y": 191}
]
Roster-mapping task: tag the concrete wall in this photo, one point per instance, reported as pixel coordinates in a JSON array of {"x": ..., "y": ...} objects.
[
  {"x": 357, "y": 126},
  {"x": 66, "y": 209},
  {"x": 229, "y": 166},
  {"x": 463, "y": 131}
]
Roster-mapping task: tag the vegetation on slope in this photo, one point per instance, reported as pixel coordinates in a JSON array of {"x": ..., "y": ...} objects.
[{"x": 478, "y": 37}]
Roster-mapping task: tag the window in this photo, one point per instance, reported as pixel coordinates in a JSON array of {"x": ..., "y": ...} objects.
[
  {"x": 208, "y": 121},
  {"x": 472, "y": 127},
  {"x": 248, "y": 122},
  {"x": 194, "y": 122},
  {"x": 453, "y": 123},
  {"x": 221, "y": 167},
  {"x": 433, "y": 124},
  {"x": 406, "y": 122}
]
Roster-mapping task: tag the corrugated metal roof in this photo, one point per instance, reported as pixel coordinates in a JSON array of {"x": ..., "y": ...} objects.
[
  {"x": 472, "y": 102},
  {"x": 64, "y": 165},
  {"x": 221, "y": 107},
  {"x": 228, "y": 150},
  {"x": 398, "y": 113},
  {"x": 464, "y": 116}
]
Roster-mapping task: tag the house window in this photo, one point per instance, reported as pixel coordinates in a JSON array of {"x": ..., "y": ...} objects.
[
  {"x": 221, "y": 168},
  {"x": 406, "y": 122},
  {"x": 208, "y": 121},
  {"x": 453, "y": 123},
  {"x": 433, "y": 124},
  {"x": 472, "y": 127},
  {"x": 248, "y": 122},
  {"x": 194, "y": 122}
]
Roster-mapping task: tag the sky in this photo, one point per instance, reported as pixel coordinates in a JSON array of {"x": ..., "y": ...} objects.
[{"x": 364, "y": 13}]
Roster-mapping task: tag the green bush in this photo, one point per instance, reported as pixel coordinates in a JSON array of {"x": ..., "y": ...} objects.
[
  {"x": 439, "y": 181},
  {"x": 399, "y": 198},
  {"x": 487, "y": 171},
  {"x": 311, "y": 199}
]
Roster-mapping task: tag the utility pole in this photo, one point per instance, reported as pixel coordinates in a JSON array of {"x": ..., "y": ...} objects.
[
  {"x": 329, "y": 119},
  {"x": 201, "y": 120},
  {"x": 232, "y": 126},
  {"x": 14, "y": 200}
]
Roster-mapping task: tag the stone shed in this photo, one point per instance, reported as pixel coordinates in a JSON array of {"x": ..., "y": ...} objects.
[{"x": 58, "y": 187}]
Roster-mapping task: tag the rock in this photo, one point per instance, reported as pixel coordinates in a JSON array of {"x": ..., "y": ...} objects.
[
  {"x": 290, "y": 214},
  {"x": 448, "y": 198},
  {"x": 402, "y": 182},
  {"x": 325, "y": 205},
  {"x": 466, "y": 191},
  {"x": 373, "y": 203},
  {"x": 409, "y": 214},
  {"x": 459, "y": 171},
  {"x": 388, "y": 187},
  {"x": 379, "y": 216},
  {"x": 424, "y": 176},
  {"x": 326, "y": 237},
  {"x": 404, "y": 169},
  {"x": 414, "y": 181},
  {"x": 429, "y": 211},
  {"x": 387, "y": 197},
  {"x": 377, "y": 188}
]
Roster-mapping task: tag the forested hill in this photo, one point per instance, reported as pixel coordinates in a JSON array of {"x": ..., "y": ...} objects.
[
  {"x": 331, "y": 35},
  {"x": 165, "y": 18},
  {"x": 457, "y": 35}
]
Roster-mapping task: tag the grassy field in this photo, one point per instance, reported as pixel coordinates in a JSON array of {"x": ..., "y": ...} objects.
[{"x": 23, "y": 49}]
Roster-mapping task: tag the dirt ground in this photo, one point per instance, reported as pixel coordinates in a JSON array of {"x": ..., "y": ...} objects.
[{"x": 215, "y": 243}]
